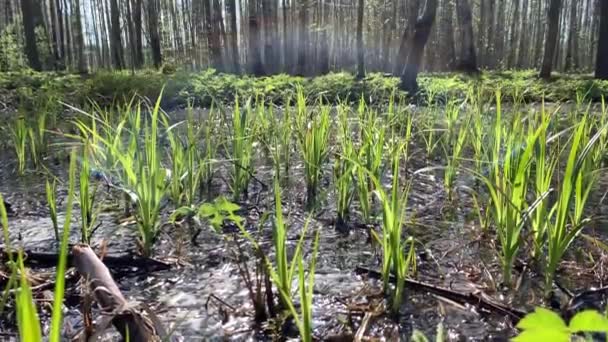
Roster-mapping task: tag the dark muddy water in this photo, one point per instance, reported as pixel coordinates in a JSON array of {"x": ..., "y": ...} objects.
[{"x": 453, "y": 253}]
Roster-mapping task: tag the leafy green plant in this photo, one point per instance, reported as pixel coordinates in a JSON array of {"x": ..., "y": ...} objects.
[{"x": 546, "y": 325}]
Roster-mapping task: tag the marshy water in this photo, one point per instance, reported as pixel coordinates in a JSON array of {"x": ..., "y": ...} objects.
[{"x": 203, "y": 295}]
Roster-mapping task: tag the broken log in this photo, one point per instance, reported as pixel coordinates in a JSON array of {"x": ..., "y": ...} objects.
[
  {"x": 45, "y": 259},
  {"x": 131, "y": 323},
  {"x": 479, "y": 300}
]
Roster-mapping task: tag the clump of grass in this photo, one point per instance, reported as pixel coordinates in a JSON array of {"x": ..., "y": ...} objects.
[
  {"x": 454, "y": 158},
  {"x": 314, "y": 143},
  {"x": 508, "y": 185},
  {"x": 86, "y": 196},
  {"x": 28, "y": 321},
  {"x": 369, "y": 158},
  {"x": 283, "y": 273},
  {"x": 242, "y": 149},
  {"x": 51, "y": 191},
  {"x": 20, "y": 134},
  {"x": 344, "y": 170},
  {"x": 545, "y": 164},
  {"x": 565, "y": 218}
]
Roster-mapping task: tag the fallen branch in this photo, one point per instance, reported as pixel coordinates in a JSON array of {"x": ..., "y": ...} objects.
[
  {"x": 130, "y": 322},
  {"x": 479, "y": 300},
  {"x": 44, "y": 259}
]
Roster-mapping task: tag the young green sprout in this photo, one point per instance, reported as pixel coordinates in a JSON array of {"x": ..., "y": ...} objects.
[{"x": 314, "y": 144}]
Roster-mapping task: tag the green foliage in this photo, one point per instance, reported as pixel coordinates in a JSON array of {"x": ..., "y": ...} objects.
[
  {"x": 11, "y": 52},
  {"x": 313, "y": 136},
  {"x": 545, "y": 325}
]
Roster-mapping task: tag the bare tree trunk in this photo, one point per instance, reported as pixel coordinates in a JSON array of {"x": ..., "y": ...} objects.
[
  {"x": 138, "y": 31},
  {"x": 524, "y": 40},
  {"x": 255, "y": 56},
  {"x": 468, "y": 58},
  {"x": 115, "y": 34},
  {"x": 449, "y": 60},
  {"x": 572, "y": 48},
  {"x": 360, "y": 51},
  {"x": 514, "y": 35},
  {"x": 213, "y": 34},
  {"x": 422, "y": 31},
  {"x": 601, "y": 62},
  {"x": 303, "y": 38},
  {"x": 153, "y": 31},
  {"x": 234, "y": 36},
  {"x": 401, "y": 59},
  {"x": 54, "y": 24},
  {"x": 29, "y": 29},
  {"x": 551, "y": 41},
  {"x": 78, "y": 36}
]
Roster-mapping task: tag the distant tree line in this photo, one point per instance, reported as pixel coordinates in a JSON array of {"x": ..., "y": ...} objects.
[{"x": 306, "y": 37}]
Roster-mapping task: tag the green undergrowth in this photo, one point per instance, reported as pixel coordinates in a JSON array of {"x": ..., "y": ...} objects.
[{"x": 21, "y": 89}]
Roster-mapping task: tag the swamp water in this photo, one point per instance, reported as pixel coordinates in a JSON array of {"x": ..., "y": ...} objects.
[{"x": 202, "y": 297}]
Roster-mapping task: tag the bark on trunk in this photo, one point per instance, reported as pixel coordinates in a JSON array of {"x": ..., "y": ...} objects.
[
  {"x": 303, "y": 39},
  {"x": 601, "y": 64},
  {"x": 360, "y": 51},
  {"x": 154, "y": 35},
  {"x": 551, "y": 42},
  {"x": 422, "y": 31},
  {"x": 115, "y": 36},
  {"x": 468, "y": 58},
  {"x": 29, "y": 30},
  {"x": 234, "y": 37},
  {"x": 78, "y": 36},
  {"x": 137, "y": 27},
  {"x": 401, "y": 59},
  {"x": 255, "y": 56}
]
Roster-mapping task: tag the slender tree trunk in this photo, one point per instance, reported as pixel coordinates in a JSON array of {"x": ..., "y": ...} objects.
[
  {"x": 138, "y": 31},
  {"x": 54, "y": 24},
  {"x": 551, "y": 41},
  {"x": 154, "y": 35},
  {"x": 572, "y": 48},
  {"x": 513, "y": 41},
  {"x": 78, "y": 36},
  {"x": 360, "y": 51},
  {"x": 601, "y": 62},
  {"x": 29, "y": 29},
  {"x": 449, "y": 60},
  {"x": 255, "y": 55},
  {"x": 524, "y": 39},
  {"x": 115, "y": 34},
  {"x": 422, "y": 31},
  {"x": 303, "y": 44},
  {"x": 213, "y": 35},
  {"x": 234, "y": 36},
  {"x": 468, "y": 58}
]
